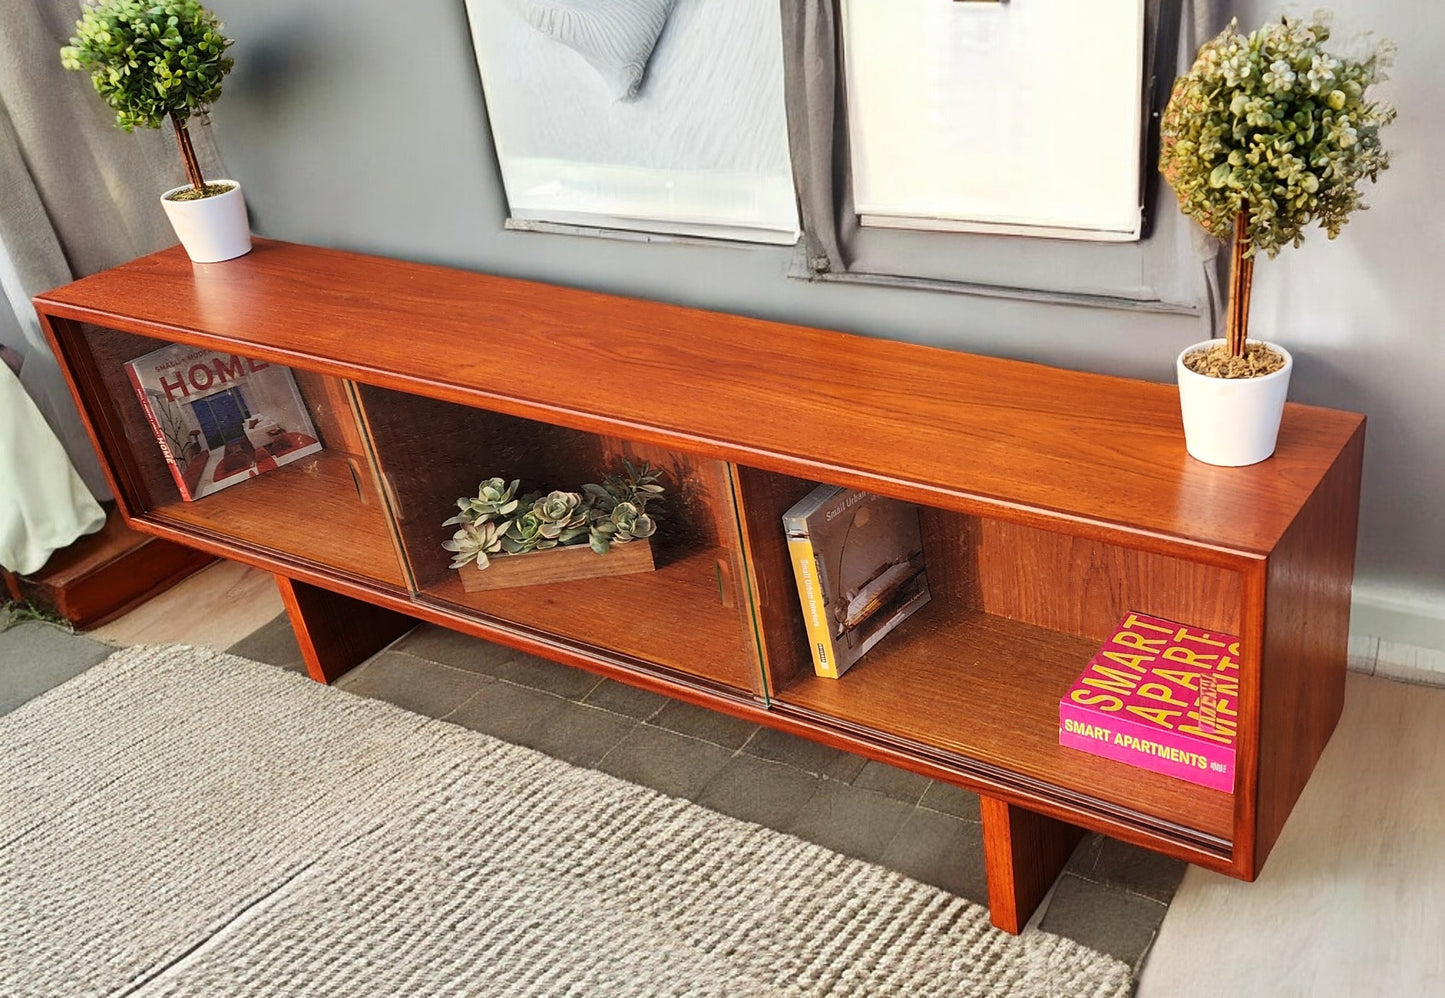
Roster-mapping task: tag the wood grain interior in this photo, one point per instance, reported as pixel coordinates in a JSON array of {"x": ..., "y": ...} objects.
[
  {"x": 689, "y": 614},
  {"x": 344, "y": 525},
  {"x": 984, "y": 688},
  {"x": 1015, "y": 615},
  {"x": 1085, "y": 587}
]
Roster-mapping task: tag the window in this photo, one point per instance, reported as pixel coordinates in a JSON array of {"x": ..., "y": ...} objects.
[
  {"x": 640, "y": 114},
  {"x": 1000, "y": 148},
  {"x": 222, "y": 416},
  {"x": 1022, "y": 118},
  {"x": 873, "y": 206}
]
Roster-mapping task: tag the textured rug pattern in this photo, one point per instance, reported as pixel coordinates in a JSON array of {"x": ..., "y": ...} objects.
[{"x": 181, "y": 822}]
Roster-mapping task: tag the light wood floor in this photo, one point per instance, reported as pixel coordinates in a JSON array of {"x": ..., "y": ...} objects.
[
  {"x": 1352, "y": 900},
  {"x": 216, "y": 607},
  {"x": 1350, "y": 903}
]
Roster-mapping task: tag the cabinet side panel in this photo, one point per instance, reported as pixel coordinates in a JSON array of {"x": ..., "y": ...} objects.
[
  {"x": 93, "y": 362},
  {"x": 763, "y": 498},
  {"x": 1307, "y": 631},
  {"x": 77, "y": 366},
  {"x": 1307, "y": 627}
]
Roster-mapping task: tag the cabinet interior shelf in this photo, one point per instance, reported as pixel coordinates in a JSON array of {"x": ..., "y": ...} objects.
[{"x": 986, "y": 688}]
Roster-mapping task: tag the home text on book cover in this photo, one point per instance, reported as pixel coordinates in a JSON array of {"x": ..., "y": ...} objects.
[
  {"x": 858, "y": 562},
  {"x": 1160, "y": 695},
  {"x": 220, "y": 419}
]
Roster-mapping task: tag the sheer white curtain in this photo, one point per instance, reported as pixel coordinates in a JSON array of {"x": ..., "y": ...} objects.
[
  {"x": 76, "y": 196},
  {"x": 43, "y": 503}
]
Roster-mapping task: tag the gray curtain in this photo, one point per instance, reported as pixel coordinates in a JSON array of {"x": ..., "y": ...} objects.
[
  {"x": 818, "y": 138},
  {"x": 815, "y": 115},
  {"x": 77, "y": 195}
]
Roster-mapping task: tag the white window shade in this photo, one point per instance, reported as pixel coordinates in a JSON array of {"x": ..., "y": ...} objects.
[
  {"x": 702, "y": 150},
  {"x": 1021, "y": 117}
]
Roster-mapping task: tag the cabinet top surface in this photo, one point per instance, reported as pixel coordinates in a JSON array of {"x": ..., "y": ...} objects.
[{"x": 933, "y": 425}]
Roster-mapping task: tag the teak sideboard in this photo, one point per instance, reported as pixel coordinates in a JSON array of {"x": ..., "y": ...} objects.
[{"x": 1052, "y": 503}]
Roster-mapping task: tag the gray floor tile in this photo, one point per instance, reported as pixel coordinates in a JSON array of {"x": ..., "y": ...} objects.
[
  {"x": 447, "y": 647},
  {"x": 627, "y": 700},
  {"x": 709, "y": 725},
  {"x": 273, "y": 643},
  {"x": 412, "y": 683},
  {"x": 941, "y": 850},
  {"x": 1142, "y": 871},
  {"x": 579, "y": 734},
  {"x": 512, "y": 713},
  {"x": 35, "y": 657},
  {"x": 811, "y": 757},
  {"x": 756, "y": 790},
  {"x": 1109, "y": 919},
  {"x": 1086, "y": 855},
  {"x": 854, "y": 822},
  {"x": 891, "y": 781},
  {"x": 549, "y": 677},
  {"x": 952, "y": 800},
  {"x": 665, "y": 761}
]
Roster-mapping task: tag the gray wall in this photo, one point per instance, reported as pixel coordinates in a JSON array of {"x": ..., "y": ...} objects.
[{"x": 362, "y": 126}]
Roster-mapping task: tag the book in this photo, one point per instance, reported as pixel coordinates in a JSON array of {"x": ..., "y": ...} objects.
[
  {"x": 1162, "y": 696},
  {"x": 858, "y": 562},
  {"x": 220, "y": 419}
]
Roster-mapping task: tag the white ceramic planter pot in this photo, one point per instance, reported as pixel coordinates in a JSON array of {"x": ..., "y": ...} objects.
[
  {"x": 1232, "y": 421},
  {"x": 211, "y": 229}
]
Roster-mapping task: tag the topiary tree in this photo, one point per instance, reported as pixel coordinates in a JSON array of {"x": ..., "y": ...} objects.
[
  {"x": 1268, "y": 133},
  {"x": 151, "y": 60}
]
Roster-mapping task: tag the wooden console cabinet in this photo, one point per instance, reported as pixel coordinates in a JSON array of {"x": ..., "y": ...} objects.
[{"x": 1053, "y": 502}]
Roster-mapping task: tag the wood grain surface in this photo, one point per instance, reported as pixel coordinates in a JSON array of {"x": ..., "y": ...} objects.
[
  {"x": 1055, "y": 502},
  {"x": 974, "y": 433},
  {"x": 986, "y": 688}
]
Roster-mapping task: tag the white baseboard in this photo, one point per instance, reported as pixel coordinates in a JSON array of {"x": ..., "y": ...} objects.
[
  {"x": 1397, "y": 660},
  {"x": 1398, "y": 633},
  {"x": 1412, "y": 616}
]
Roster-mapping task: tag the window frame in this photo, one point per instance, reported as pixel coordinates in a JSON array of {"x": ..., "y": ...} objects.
[{"x": 1167, "y": 269}]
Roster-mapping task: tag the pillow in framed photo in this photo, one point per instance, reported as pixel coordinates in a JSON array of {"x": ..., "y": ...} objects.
[{"x": 616, "y": 37}]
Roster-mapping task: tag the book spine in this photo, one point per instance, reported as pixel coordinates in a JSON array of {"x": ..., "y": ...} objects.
[
  {"x": 815, "y": 617},
  {"x": 795, "y": 520},
  {"x": 1113, "y": 737},
  {"x": 145, "y": 404}
]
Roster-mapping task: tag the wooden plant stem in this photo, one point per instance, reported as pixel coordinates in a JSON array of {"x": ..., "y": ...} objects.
[
  {"x": 1241, "y": 285},
  {"x": 188, "y": 153}
]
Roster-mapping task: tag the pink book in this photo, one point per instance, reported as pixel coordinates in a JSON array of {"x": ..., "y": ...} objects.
[{"x": 1162, "y": 696}]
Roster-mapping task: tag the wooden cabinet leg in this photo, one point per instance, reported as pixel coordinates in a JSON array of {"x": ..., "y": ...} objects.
[
  {"x": 1023, "y": 853},
  {"x": 336, "y": 632}
]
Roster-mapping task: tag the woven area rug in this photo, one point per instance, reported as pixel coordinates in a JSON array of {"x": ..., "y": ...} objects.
[{"x": 181, "y": 822}]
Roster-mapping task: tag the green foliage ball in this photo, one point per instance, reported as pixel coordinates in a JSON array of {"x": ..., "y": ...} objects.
[
  {"x": 1272, "y": 123},
  {"x": 148, "y": 60}
]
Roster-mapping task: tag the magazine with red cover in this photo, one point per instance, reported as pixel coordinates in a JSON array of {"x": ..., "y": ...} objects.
[
  {"x": 1160, "y": 695},
  {"x": 219, "y": 418}
]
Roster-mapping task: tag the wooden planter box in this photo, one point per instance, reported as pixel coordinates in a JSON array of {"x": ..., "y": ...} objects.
[{"x": 562, "y": 564}]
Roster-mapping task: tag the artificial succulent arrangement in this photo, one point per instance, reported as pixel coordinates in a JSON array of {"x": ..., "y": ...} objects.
[
  {"x": 496, "y": 521},
  {"x": 151, "y": 60},
  {"x": 1267, "y": 133}
]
